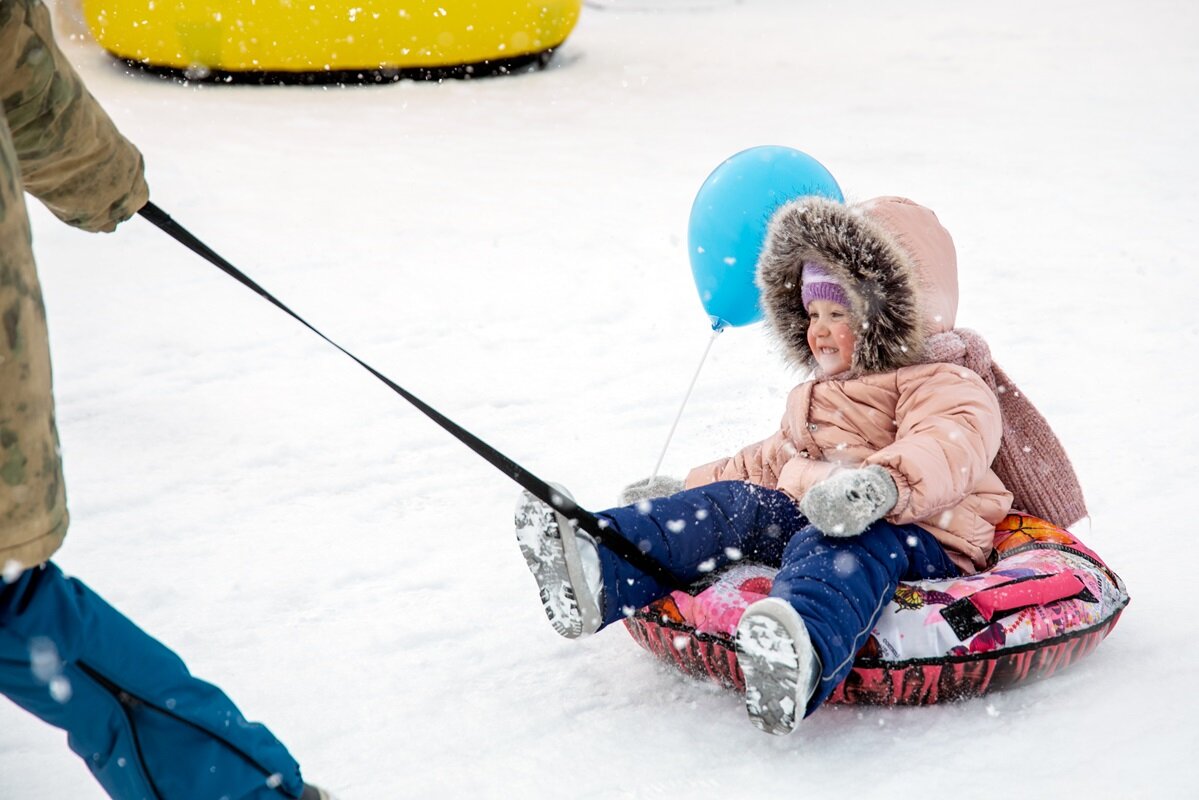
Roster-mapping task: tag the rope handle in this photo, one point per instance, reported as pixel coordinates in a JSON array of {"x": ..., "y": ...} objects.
[{"x": 539, "y": 488}]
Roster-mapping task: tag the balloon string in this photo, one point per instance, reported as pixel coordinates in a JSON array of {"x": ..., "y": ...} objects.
[{"x": 686, "y": 397}]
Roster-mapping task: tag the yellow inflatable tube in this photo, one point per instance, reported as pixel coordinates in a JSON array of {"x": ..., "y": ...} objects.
[{"x": 312, "y": 36}]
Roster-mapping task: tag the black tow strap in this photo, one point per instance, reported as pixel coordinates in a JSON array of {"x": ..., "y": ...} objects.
[{"x": 527, "y": 480}]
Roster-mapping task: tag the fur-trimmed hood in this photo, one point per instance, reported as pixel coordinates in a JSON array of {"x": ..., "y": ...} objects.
[{"x": 894, "y": 260}]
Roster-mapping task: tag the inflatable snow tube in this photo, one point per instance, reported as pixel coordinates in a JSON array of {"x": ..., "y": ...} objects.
[
  {"x": 1046, "y": 602},
  {"x": 324, "y": 40}
]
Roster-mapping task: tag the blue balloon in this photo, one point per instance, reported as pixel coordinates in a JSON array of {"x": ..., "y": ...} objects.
[{"x": 729, "y": 219}]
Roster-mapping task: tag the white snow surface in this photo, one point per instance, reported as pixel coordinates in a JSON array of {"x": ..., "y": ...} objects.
[{"x": 513, "y": 250}]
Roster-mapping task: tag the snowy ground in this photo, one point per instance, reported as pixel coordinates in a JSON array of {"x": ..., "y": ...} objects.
[{"x": 513, "y": 250}]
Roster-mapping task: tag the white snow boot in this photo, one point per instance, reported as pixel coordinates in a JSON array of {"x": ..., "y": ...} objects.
[
  {"x": 565, "y": 563},
  {"x": 779, "y": 664}
]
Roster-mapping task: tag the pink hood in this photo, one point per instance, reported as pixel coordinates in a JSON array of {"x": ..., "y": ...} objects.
[{"x": 895, "y": 260}]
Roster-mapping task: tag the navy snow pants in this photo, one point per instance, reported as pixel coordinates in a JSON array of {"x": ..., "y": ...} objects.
[
  {"x": 839, "y": 586},
  {"x": 146, "y": 728}
]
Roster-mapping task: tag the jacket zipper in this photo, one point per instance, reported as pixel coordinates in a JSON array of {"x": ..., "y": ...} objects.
[{"x": 130, "y": 701}]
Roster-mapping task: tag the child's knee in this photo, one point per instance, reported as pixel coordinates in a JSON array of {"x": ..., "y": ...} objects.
[{"x": 805, "y": 543}]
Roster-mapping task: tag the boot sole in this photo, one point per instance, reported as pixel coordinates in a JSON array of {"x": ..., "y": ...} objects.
[
  {"x": 774, "y": 669},
  {"x": 547, "y": 541}
]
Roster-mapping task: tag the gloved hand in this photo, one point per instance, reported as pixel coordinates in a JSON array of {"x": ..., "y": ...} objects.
[
  {"x": 845, "y": 503},
  {"x": 649, "y": 488}
]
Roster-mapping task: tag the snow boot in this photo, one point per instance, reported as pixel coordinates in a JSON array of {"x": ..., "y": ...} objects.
[
  {"x": 779, "y": 664},
  {"x": 564, "y": 562}
]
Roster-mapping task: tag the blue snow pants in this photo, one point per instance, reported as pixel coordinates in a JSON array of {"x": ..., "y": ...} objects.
[
  {"x": 839, "y": 586},
  {"x": 145, "y": 727}
]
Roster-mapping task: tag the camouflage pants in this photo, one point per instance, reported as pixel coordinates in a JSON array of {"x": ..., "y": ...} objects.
[{"x": 33, "y": 512}]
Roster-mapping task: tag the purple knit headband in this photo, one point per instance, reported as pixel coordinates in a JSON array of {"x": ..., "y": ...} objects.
[{"x": 818, "y": 284}]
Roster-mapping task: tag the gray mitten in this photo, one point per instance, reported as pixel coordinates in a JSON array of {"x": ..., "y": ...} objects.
[
  {"x": 845, "y": 503},
  {"x": 649, "y": 488}
]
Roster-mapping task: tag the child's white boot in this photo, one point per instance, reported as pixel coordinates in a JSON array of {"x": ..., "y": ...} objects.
[
  {"x": 565, "y": 563},
  {"x": 780, "y": 666}
]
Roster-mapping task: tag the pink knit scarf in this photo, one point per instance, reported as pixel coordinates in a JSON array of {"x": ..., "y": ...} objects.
[{"x": 1032, "y": 463}]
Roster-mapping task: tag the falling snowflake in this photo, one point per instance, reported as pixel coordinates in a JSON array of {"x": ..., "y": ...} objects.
[
  {"x": 845, "y": 564},
  {"x": 60, "y": 689},
  {"x": 12, "y": 570},
  {"x": 44, "y": 662}
]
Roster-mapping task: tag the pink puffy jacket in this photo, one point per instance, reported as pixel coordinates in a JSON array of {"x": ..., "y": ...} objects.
[{"x": 935, "y": 427}]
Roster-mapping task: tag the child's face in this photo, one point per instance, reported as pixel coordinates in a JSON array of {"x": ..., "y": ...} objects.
[{"x": 831, "y": 336}]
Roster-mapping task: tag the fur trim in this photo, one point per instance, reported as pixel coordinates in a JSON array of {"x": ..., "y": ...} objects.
[{"x": 877, "y": 274}]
